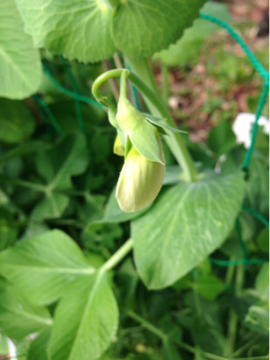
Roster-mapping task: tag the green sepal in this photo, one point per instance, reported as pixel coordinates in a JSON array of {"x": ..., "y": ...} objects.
[
  {"x": 118, "y": 147},
  {"x": 160, "y": 123},
  {"x": 128, "y": 146},
  {"x": 140, "y": 132},
  {"x": 113, "y": 121},
  {"x": 112, "y": 117}
]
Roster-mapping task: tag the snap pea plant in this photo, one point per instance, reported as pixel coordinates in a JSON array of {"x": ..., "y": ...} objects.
[
  {"x": 66, "y": 270},
  {"x": 138, "y": 139}
]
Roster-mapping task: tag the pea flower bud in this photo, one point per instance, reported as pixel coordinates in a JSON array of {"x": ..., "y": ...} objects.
[
  {"x": 139, "y": 130},
  {"x": 140, "y": 180}
]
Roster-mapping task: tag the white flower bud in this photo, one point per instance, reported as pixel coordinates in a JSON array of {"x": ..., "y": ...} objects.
[{"x": 140, "y": 180}]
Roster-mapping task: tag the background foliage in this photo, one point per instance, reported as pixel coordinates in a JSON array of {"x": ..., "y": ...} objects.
[{"x": 60, "y": 222}]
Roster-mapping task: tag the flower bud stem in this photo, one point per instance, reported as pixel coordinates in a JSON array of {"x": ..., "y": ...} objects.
[
  {"x": 156, "y": 106},
  {"x": 123, "y": 84},
  {"x": 119, "y": 255}
]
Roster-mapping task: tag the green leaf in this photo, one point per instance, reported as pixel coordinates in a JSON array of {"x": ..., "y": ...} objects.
[
  {"x": 199, "y": 355},
  {"x": 185, "y": 225},
  {"x": 221, "y": 138},
  {"x": 258, "y": 319},
  {"x": 18, "y": 317},
  {"x": 65, "y": 113},
  {"x": 38, "y": 348},
  {"x": 263, "y": 240},
  {"x": 209, "y": 286},
  {"x": 142, "y": 27},
  {"x": 44, "y": 267},
  {"x": 52, "y": 206},
  {"x": 160, "y": 122},
  {"x": 187, "y": 49},
  {"x": 4, "y": 349},
  {"x": 8, "y": 232},
  {"x": 16, "y": 121},
  {"x": 23, "y": 149},
  {"x": 170, "y": 352},
  {"x": 67, "y": 158},
  {"x": 33, "y": 229},
  {"x": 172, "y": 174},
  {"x": 257, "y": 186},
  {"x": 78, "y": 30},
  {"x": 85, "y": 321},
  {"x": 208, "y": 338},
  {"x": 262, "y": 282},
  {"x": 20, "y": 73}
]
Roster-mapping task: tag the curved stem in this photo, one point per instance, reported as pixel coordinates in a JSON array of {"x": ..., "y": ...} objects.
[
  {"x": 123, "y": 84},
  {"x": 100, "y": 80},
  {"x": 157, "y": 107}
]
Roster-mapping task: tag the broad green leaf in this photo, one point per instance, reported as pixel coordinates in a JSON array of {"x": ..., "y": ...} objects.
[
  {"x": 170, "y": 352},
  {"x": 207, "y": 337},
  {"x": 173, "y": 332},
  {"x": 23, "y": 149},
  {"x": 102, "y": 233},
  {"x": 257, "y": 186},
  {"x": 185, "y": 225},
  {"x": 199, "y": 355},
  {"x": 257, "y": 183},
  {"x": 78, "y": 30},
  {"x": 38, "y": 348},
  {"x": 18, "y": 317},
  {"x": 20, "y": 67},
  {"x": 85, "y": 321},
  {"x": 3, "y": 284},
  {"x": 262, "y": 282},
  {"x": 65, "y": 113},
  {"x": 172, "y": 174},
  {"x": 8, "y": 232},
  {"x": 67, "y": 158},
  {"x": 45, "y": 266},
  {"x": 187, "y": 49},
  {"x": 4, "y": 349},
  {"x": 209, "y": 286},
  {"x": 258, "y": 319},
  {"x": 263, "y": 240},
  {"x": 16, "y": 121},
  {"x": 142, "y": 27},
  {"x": 33, "y": 229},
  {"x": 52, "y": 206},
  {"x": 221, "y": 138}
]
